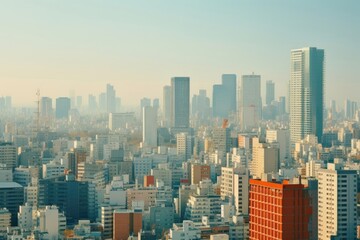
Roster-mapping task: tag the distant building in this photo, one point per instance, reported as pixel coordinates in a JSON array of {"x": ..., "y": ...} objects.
[
  {"x": 110, "y": 98},
  {"x": 270, "y": 92},
  {"x": 62, "y": 107},
  {"x": 250, "y": 101},
  {"x": 224, "y": 96},
  {"x": 149, "y": 126},
  {"x": 121, "y": 120},
  {"x": 166, "y": 106},
  {"x": 180, "y": 102}
]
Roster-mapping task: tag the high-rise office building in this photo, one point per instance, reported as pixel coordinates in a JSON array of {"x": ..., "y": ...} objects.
[
  {"x": 224, "y": 96},
  {"x": 62, "y": 107},
  {"x": 46, "y": 109},
  {"x": 180, "y": 102},
  {"x": 92, "y": 102},
  {"x": 166, "y": 105},
  {"x": 149, "y": 127},
  {"x": 337, "y": 210},
  {"x": 11, "y": 197},
  {"x": 306, "y": 93},
  {"x": 222, "y": 141},
  {"x": 8, "y": 155},
  {"x": 200, "y": 105},
  {"x": 278, "y": 210},
  {"x": 250, "y": 101},
  {"x": 110, "y": 98},
  {"x": 270, "y": 92},
  {"x": 144, "y": 102}
]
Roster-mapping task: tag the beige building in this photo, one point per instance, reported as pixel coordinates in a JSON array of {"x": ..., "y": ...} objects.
[
  {"x": 265, "y": 158},
  {"x": 235, "y": 185},
  {"x": 145, "y": 195},
  {"x": 199, "y": 172}
]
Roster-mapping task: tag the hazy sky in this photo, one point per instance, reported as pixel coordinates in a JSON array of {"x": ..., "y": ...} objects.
[{"x": 63, "y": 45}]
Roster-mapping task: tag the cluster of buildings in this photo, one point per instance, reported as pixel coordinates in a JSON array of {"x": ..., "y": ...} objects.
[{"x": 230, "y": 168}]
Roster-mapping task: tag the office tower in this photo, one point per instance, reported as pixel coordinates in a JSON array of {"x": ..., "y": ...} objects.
[
  {"x": 265, "y": 158},
  {"x": 337, "y": 210},
  {"x": 11, "y": 197},
  {"x": 278, "y": 210},
  {"x": 166, "y": 105},
  {"x": 282, "y": 106},
  {"x": 222, "y": 141},
  {"x": 224, "y": 96},
  {"x": 156, "y": 105},
  {"x": 250, "y": 101},
  {"x": 72, "y": 99},
  {"x": 92, "y": 102},
  {"x": 144, "y": 102},
  {"x": 270, "y": 92},
  {"x": 118, "y": 104},
  {"x": 149, "y": 126},
  {"x": 102, "y": 102},
  {"x": 110, "y": 98},
  {"x": 62, "y": 107},
  {"x": 126, "y": 223},
  {"x": 180, "y": 102},
  {"x": 72, "y": 197},
  {"x": 306, "y": 93},
  {"x": 235, "y": 186},
  {"x": 200, "y": 105},
  {"x": 282, "y": 138},
  {"x": 46, "y": 109},
  {"x": 8, "y": 155}
]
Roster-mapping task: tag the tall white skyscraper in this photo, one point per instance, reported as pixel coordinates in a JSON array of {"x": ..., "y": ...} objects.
[
  {"x": 250, "y": 101},
  {"x": 180, "y": 102},
  {"x": 306, "y": 93},
  {"x": 149, "y": 126},
  {"x": 337, "y": 211}
]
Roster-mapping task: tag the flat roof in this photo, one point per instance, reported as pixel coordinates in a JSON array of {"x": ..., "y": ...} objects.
[{"x": 10, "y": 185}]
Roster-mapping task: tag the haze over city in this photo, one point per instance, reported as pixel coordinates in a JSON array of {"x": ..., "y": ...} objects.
[{"x": 137, "y": 46}]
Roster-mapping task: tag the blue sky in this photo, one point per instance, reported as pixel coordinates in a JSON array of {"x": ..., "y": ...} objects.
[{"x": 63, "y": 45}]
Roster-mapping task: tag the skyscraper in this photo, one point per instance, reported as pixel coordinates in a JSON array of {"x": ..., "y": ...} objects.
[
  {"x": 62, "y": 107},
  {"x": 337, "y": 202},
  {"x": 110, "y": 98},
  {"x": 224, "y": 96},
  {"x": 306, "y": 93},
  {"x": 144, "y": 102},
  {"x": 250, "y": 101},
  {"x": 166, "y": 105},
  {"x": 149, "y": 126},
  {"x": 270, "y": 92},
  {"x": 180, "y": 102}
]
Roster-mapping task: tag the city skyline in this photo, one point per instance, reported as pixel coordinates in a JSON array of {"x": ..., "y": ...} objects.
[{"x": 221, "y": 38}]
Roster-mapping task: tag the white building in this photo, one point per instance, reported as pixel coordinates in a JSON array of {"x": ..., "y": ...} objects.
[
  {"x": 49, "y": 221},
  {"x": 235, "y": 185},
  {"x": 25, "y": 217},
  {"x": 250, "y": 101},
  {"x": 5, "y": 220},
  {"x": 53, "y": 169},
  {"x": 306, "y": 93},
  {"x": 265, "y": 158},
  {"x": 184, "y": 145},
  {"x": 337, "y": 210},
  {"x": 282, "y": 137},
  {"x": 185, "y": 231}
]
